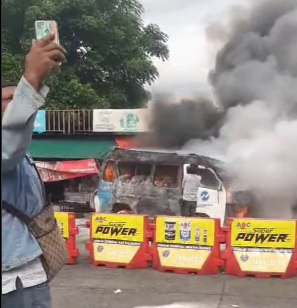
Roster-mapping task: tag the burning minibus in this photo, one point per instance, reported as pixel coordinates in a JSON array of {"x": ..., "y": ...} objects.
[{"x": 150, "y": 181}]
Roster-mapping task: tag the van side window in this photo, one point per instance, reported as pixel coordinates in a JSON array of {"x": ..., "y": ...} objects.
[
  {"x": 208, "y": 179},
  {"x": 126, "y": 170},
  {"x": 166, "y": 176},
  {"x": 143, "y": 170},
  {"x": 110, "y": 174}
]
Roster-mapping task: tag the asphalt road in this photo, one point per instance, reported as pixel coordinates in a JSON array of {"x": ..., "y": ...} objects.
[{"x": 83, "y": 286}]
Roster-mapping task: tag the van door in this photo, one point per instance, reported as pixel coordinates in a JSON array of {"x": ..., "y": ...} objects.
[
  {"x": 211, "y": 202},
  {"x": 211, "y": 197}
]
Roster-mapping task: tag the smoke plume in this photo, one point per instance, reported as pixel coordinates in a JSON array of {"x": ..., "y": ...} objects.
[
  {"x": 174, "y": 123},
  {"x": 255, "y": 83}
]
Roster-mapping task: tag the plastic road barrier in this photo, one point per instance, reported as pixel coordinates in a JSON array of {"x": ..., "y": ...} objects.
[
  {"x": 119, "y": 241},
  {"x": 261, "y": 248},
  {"x": 187, "y": 245},
  {"x": 66, "y": 223}
]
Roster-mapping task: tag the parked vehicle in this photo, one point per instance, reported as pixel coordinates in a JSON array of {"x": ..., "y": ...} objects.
[{"x": 150, "y": 181}]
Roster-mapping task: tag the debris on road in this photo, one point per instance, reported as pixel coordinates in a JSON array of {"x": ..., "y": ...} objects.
[{"x": 118, "y": 291}]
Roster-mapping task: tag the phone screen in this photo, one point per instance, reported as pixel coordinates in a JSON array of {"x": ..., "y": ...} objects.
[{"x": 46, "y": 27}]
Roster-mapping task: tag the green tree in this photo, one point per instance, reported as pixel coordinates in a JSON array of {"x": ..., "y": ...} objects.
[{"x": 109, "y": 50}]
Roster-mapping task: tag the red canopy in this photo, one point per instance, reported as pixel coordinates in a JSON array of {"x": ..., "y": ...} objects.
[{"x": 65, "y": 170}]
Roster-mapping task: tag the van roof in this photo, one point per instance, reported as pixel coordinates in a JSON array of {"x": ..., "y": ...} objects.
[
  {"x": 159, "y": 150},
  {"x": 151, "y": 150},
  {"x": 166, "y": 156}
]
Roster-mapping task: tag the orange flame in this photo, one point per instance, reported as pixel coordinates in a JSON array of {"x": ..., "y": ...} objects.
[{"x": 242, "y": 211}]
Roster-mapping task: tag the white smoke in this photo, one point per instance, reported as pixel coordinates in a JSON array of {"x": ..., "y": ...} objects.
[{"x": 255, "y": 79}]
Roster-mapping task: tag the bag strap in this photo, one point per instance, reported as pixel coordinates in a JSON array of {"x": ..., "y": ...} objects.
[
  {"x": 28, "y": 221},
  {"x": 28, "y": 157}
]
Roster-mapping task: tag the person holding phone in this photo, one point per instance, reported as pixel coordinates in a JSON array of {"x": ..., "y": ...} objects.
[{"x": 24, "y": 281}]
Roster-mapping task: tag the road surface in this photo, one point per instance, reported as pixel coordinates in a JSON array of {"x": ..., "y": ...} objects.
[{"x": 82, "y": 286}]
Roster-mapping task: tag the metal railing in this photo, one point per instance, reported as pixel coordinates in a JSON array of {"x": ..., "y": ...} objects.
[{"x": 69, "y": 121}]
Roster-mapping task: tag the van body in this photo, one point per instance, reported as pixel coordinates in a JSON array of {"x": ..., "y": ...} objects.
[{"x": 151, "y": 182}]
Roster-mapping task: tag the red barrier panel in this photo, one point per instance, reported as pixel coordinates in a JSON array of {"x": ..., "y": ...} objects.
[
  {"x": 119, "y": 241},
  {"x": 261, "y": 248},
  {"x": 187, "y": 245},
  {"x": 66, "y": 222}
]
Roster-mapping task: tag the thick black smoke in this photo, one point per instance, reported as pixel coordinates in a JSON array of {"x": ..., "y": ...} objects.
[
  {"x": 257, "y": 62},
  {"x": 260, "y": 53},
  {"x": 255, "y": 84},
  {"x": 173, "y": 124}
]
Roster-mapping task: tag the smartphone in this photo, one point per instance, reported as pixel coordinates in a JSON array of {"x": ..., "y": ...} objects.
[{"x": 45, "y": 27}]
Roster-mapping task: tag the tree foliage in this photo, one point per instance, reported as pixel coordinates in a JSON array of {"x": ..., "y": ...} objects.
[{"x": 109, "y": 50}]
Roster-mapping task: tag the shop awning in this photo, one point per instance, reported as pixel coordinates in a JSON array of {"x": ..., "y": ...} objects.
[
  {"x": 70, "y": 149},
  {"x": 65, "y": 170}
]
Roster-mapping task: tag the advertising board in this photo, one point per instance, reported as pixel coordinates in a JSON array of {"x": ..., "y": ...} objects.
[
  {"x": 117, "y": 238},
  {"x": 40, "y": 122},
  {"x": 120, "y": 120},
  {"x": 184, "y": 242},
  {"x": 263, "y": 245},
  {"x": 63, "y": 223}
]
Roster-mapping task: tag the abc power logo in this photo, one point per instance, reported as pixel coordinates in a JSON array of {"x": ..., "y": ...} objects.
[
  {"x": 259, "y": 235},
  {"x": 111, "y": 228}
]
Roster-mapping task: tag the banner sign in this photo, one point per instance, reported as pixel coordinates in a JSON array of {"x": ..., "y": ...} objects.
[
  {"x": 117, "y": 238},
  {"x": 120, "y": 120},
  {"x": 184, "y": 242},
  {"x": 263, "y": 245},
  {"x": 40, "y": 122}
]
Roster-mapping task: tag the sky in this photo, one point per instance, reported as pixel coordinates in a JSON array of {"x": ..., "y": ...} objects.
[{"x": 191, "y": 54}]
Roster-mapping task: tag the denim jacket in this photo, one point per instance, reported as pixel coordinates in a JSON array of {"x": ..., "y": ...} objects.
[{"x": 21, "y": 184}]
